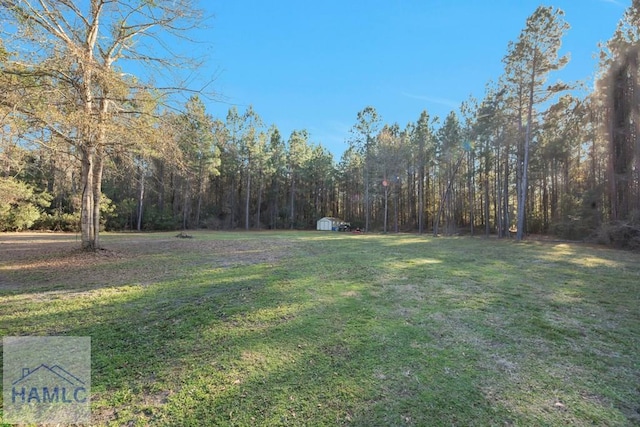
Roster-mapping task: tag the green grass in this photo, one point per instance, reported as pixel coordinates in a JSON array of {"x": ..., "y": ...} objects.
[{"x": 311, "y": 328}]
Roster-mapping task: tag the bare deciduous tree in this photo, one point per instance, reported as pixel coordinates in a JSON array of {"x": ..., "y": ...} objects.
[{"x": 65, "y": 75}]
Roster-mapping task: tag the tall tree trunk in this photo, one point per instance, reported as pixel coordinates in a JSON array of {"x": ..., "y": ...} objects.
[
  {"x": 497, "y": 199},
  {"x": 259, "y": 214},
  {"x": 86, "y": 213},
  {"x": 185, "y": 204},
  {"x": 421, "y": 197},
  {"x": 198, "y": 207},
  {"x": 247, "y": 201},
  {"x": 292, "y": 201},
  {"x": 200, "y": 193},
  {"x": 396, "y": 207},
  {"x": 471, "y": 186},
  {"x": 367, "y": 211},
  {"x": 487, "y": 168},
  {"x": 97, "y": 196},
  {"x": 140, "y": 200},
  {"x": 487, "y": 222},
  {"x": 506, "y": 221},
  {"x": 445, "y": 200},
  {"x": 275, "y": 213},
  {"x": 161, "y": 185},
  {"x": 621, "y": 134},
  {"x": 411, "y": 199},
  {"x": 545, "y": 203},
  {"x": 524, "y": 180},
  {"x": 386, "y": 206}
]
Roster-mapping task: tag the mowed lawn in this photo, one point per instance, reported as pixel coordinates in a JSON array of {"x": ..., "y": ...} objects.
[{"x": 322, "y": 328}]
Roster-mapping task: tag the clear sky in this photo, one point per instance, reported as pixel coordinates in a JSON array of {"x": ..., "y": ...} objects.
[{"x": 314, "y": 65}]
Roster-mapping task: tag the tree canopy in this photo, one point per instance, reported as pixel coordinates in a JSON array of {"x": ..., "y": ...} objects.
[{"x": 85, "y": 143}]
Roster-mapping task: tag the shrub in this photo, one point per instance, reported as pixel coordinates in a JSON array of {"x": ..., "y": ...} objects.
[
  {"x": 20, "y": 205},
  {"x": 571, "y": 229},
  {"x": 621, "y": 234},
  {"x": 59, "y": 221}
]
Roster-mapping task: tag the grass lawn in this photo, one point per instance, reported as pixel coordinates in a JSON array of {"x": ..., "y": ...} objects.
[{"x": 321, "y": 328}]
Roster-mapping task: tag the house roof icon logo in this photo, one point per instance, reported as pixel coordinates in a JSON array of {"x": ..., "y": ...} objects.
[
  {"x": 44, "y": 373},
  {"x": 47, "y": 380}
]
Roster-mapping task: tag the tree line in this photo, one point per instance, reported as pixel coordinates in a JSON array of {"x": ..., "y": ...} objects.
[{"x": 85, "y": 146}]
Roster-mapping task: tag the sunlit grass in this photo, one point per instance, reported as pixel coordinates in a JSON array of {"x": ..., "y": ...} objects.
[{"x": 291, "y": 328}]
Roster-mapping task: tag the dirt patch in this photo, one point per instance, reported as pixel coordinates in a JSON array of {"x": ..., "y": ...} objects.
[
  {"x": 350, "y": 294},
  {"x": 44, "y": 260}
]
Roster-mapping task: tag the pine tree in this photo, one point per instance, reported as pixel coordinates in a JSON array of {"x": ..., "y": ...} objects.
[{"x": 527, "y": 66}]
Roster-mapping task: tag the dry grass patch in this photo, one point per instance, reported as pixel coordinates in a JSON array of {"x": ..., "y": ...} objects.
[{"x": 44, "y": 260}]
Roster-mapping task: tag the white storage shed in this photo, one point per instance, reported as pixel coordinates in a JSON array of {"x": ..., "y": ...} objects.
[{"x": 328, "y": 223}]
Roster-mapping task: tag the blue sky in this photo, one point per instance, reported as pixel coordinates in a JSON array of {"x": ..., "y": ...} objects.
[{"x": 314, "y": 65}]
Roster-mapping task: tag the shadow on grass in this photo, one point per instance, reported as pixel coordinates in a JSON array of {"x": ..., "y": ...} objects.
[
  {"x": 361, "y": 330},
  {"x": 557, "y": 327},
  {"x": 58, "y": 266}
]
